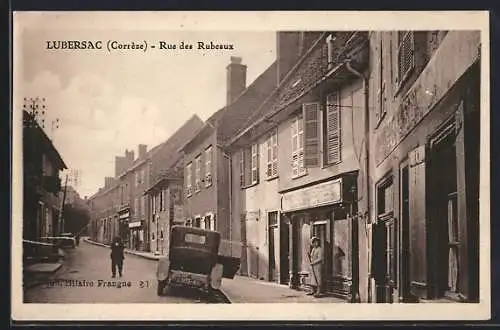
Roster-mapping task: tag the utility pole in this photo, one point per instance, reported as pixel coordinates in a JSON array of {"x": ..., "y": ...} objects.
[{"x": 61, "y": 216}]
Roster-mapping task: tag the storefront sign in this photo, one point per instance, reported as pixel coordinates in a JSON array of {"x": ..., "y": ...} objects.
[
  {"x": 318, "y": 195},
  {"x": 124, "y": 215},
  {"x": 134, "y": 224},
  {"x": 457, "y": 52}
]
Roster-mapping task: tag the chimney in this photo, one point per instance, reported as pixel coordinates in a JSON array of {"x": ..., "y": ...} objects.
[
  {"x": 129, "y": 158},
  {"x": 143, "y": 149},
  {"x": 236, "y": 79},
  {"x": 287, "y": 52},
  {"x": 119, "y": 165}
]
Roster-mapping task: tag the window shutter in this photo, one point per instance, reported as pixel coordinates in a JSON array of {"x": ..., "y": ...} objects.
[
  {"x": 417, "y": 228},
  {"x": 242, "y": 168},
  {"x": 333, "y": 129},
  {"x": 312, "y": 134},
  {"x": 274, "y": 141},
  {"x": 255, "y": 163},
  {"x": 248, "y": 166},
  {"x": 269, "y": 146},
  {"x": 406, "y": 54},
  {"x": 295, "y": 141}
]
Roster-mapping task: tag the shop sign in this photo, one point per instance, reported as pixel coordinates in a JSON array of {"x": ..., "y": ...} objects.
[
  {"x": 318, "y": 195},
  {"x": 124, "y": 215},
  {"x": 134, "y": 224}
]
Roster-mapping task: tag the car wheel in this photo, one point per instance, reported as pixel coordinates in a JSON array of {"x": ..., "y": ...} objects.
[{"x": 160, "y": 288}]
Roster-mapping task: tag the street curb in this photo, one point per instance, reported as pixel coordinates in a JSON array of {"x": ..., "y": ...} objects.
[
  {"x": 146, "y": 257},
  {"x": 126, "y": 251}
]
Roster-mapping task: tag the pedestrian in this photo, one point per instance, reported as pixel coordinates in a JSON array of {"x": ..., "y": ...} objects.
[
  {"x": 117, "y": 257},
  {"x": 316, "y": 262}
]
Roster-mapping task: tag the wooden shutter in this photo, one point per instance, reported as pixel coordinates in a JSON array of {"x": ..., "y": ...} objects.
[
  {"x": 406, "y": 54},
  {"x": 312, "y": 133},
  {"x": 255, "y": 163},
  {"x": 274, "y": 146},
  {"x": 333, "y": 128},
  {"x": 248, "y": 166},
  {"x": 417, "y": 228},
  {"x": 295, "y": 148},
  {"x": 269, "y": 148},
  {"x": 242, "y": 168}
]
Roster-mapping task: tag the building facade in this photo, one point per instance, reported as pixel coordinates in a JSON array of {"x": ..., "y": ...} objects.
[
  {"x": 425, "y": 163},
  {"x": 164, "y": 194},
  {"x": 42, "y": 165},
  {"x": 302, "y": 165},
  {"x": 207, "y": 176}
]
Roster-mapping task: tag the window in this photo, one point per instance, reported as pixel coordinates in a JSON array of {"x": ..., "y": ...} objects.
[
  {"x": 136, "y": 206},
  {"x": 137, "y": 179},
  {"x": 189, "y": 188},
  {"x": 298, "y": 168},
  {"x": 197, "y": 176},
  {"x": 208, "y": 167},
  {"x": 249, "y": 165},
  {"x": 143, "y": 176},
  {"x": 406, "y": 55},
  {"x": 272, "y": 155},
  {"x": 380, "y": 109}
]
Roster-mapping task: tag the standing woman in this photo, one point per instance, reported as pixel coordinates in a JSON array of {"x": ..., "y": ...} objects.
[
  {"x": 117, "y": 257},
  {"x": 316, "y": 261}
]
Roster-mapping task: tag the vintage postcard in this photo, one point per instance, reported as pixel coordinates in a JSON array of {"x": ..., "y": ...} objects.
[{"x": 250, "y": 166}]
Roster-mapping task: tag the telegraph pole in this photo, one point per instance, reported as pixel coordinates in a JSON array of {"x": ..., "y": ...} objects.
[{"x": 61, "y": 216}]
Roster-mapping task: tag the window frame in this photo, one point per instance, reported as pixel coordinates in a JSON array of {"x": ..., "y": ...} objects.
[
  {"x": 197, "y": 173},
  {"x": 403, "y": 77},
  {"x": 336, "y": 95}
]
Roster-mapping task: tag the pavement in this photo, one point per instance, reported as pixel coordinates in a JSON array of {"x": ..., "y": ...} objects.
[
  {"x": 243, "y": 289},
  {"x": 85, "y": 277},
  {"x": 44, "y": 267}
]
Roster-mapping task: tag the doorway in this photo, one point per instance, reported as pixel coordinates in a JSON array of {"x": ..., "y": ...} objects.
[
  {"x": 273, "y": 246},
  {"x": 405, "y": 234},
  {"x": 284, "y": 260},
  {"x": 445, "y": 219}
]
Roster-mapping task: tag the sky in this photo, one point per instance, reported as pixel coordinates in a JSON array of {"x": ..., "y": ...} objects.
[{"x": 107, "y": 102}]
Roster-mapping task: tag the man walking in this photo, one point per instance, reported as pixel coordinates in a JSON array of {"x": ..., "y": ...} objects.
[{"x": 117, "y": 257}]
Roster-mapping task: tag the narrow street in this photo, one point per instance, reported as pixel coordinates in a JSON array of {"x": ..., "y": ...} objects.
[{"x": 90, "y": 265}]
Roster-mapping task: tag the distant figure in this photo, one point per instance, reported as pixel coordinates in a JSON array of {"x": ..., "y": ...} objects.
[
  {"x": 77, "y": 239},
  {"x": 117, "y": 257}
]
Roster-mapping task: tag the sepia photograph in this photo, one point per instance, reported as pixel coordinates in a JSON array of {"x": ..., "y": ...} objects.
[{"x": 279, "y": 165}]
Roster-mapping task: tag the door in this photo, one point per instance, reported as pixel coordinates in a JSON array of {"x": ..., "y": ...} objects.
[
  {"x": 321, "y": 230},
  {"x": 284, "y": 245},
  {"x": 273, "y": 253},
  {"x": 404, "y": 232}
]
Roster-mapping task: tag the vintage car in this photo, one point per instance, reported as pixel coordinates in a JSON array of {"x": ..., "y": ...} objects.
[
  {"x": 60, "y": 241},
  {"x": 192, "y": 261}
]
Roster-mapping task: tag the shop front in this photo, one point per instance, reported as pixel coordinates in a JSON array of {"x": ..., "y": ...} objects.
[
  {"x": 136, "y": 235},
  {"x": 323, "y": 210},
  {"x": 123, "y": 223}
]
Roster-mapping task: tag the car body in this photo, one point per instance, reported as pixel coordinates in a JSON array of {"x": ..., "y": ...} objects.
[
  {"x": 192, "y": 260},
  {"x": 60, "y": 241}
]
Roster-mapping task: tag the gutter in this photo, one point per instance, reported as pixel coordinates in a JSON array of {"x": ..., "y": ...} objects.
[
  {"x": 230, "y": 191},
  {"x": 367, "y": 170}
]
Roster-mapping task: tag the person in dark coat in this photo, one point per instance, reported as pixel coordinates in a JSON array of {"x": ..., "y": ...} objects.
[{"x": 117, "y": 257}]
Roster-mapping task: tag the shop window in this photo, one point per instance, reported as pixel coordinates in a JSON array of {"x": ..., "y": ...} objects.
[{"x": 341, "y": 261}]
